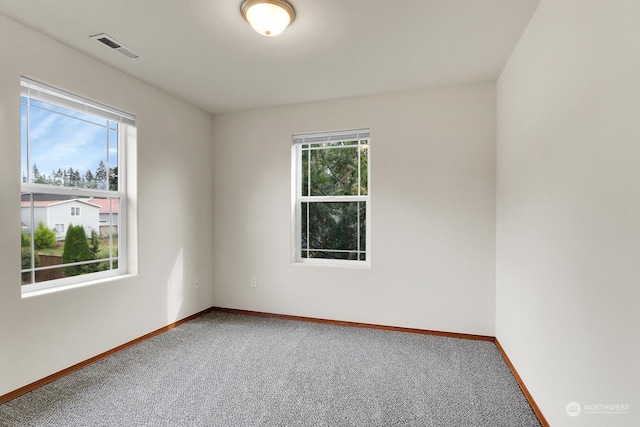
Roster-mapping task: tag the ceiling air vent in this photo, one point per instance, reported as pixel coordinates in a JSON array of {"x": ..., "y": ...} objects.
[{"x": 114, "y": 44}]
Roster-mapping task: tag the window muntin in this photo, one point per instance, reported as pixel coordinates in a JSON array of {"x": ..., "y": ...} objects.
[
  {"x": 76, "y": 193},
  {"x": 332, "y": 197}
]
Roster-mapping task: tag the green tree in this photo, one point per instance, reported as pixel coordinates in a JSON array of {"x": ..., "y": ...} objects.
[
  {"x": 90, "y": 180},
  {"x": 76, "y": 249},
  {"x": 26, "y": 263},
  {"x": 25, "y": 240},
  {"x": 95, "y": 245},
  {"x": 26, "y": 256},
  {"x": 57, "y": 177},
  {"x": 113, "y": 179},
  {"x": 37, "y": 177},
  {"x": 44, "y": 237},
  {"x": 101, "y": 176},
  {"x": 74, "y": 177}
]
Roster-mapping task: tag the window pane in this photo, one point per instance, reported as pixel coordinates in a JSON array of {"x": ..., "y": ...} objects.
[
  {"x": 334, "y": 171},
  {"x": 26, "y": 250},
  {"x": 24, "y": 165},
  {"x": 364, "y": 174},
  {"x": 305, "y": 170},
  {"x": 112, "y": 156},
  {"x": 66, "y": 147},
  {"x": 363, "y": 229},
  {"x": 304, "y": 223},
  {"x": 70, "y": 236},
  {"x": 351, "y": 256},
  {"x": 333, "y": 144},
  {"x": 333, "y": 226}
]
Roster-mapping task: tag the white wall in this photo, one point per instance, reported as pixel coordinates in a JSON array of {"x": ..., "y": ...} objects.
[
  {"x": 44, "y": 334},
  {"x": 568, "y": 213},
  {"x": 432, "y": 201}
]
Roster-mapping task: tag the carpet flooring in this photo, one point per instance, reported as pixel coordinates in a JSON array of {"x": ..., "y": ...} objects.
[{"x": 224, "y": 369}]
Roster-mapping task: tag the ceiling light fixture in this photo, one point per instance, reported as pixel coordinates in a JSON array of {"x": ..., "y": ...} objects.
[{"x": 268, "y": 17}]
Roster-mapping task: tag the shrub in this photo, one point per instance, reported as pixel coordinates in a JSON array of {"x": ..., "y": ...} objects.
[
  {"x": 26, "y": 262},
  {"x": 44, "y": 237},
  {"x": 25, "y": 240}
]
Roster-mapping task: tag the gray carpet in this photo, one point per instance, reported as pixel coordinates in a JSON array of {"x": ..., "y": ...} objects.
[{"x": 235, "y": 370}]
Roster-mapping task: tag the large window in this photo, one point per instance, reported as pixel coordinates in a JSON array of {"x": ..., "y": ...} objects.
[
  {"x": 73, "y": 192},
  {"x": 332, "y": 202}
]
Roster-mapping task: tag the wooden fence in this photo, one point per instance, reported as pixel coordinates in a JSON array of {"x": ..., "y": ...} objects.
[{"x": 49, "y": 274}]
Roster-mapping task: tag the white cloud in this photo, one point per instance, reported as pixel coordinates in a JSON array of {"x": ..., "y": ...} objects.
[{"x": 60, "y": 142}]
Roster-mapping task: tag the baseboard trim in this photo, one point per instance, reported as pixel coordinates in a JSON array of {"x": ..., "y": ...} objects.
[
  {"x": 358, "y": 324},
  {"x": 523, "y": 387},
  {"x": 34, "y": 385},
  {"x": 29, "y": 387}
]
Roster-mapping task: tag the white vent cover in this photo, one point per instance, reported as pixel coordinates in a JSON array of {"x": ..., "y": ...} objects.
[{"x": 114, "y": 44}]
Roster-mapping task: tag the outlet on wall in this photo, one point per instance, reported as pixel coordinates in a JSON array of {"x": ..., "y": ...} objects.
[{"x": 254, "y": 282}]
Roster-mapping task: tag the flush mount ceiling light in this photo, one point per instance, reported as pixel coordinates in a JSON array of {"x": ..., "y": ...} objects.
[{"x": 268, "y": 17}]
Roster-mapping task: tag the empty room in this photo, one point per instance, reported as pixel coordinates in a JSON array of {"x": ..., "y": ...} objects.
[{"x": 364, "y": 213}]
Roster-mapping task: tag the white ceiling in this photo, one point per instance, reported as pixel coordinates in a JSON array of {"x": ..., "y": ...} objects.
[{"x": 204, "y": 52}]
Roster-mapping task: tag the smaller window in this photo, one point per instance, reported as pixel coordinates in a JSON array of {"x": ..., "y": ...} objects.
[
  {"x": 332, "y": 200},
  {"x": 59, "y": 228}
]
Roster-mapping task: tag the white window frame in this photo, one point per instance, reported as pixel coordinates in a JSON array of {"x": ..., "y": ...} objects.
[
  {"x": 35, "y": 90},
  {"x": 298, "y": 199}
]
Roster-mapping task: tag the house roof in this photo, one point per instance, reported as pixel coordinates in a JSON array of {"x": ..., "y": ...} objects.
[
  {"x": 104, "y": 205},
  {"x": 49, "y": 203}
]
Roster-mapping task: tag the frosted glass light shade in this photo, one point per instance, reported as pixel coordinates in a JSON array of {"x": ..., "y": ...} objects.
[{"x": 268, "y": 17}]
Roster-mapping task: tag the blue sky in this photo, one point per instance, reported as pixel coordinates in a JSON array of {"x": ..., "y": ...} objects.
[{"x": 61, "y": 138}]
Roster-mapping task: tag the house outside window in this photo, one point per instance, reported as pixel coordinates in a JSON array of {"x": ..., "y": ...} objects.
[
  {"x": 72, "y": 161},
  {"x": 332, "y": 206}
]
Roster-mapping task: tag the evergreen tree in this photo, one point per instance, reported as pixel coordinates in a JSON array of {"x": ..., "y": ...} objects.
[
  {"x": 74, "y": 178},
  {"x": 90, "y": 180},
  {"x": 95, "y": 245},
  {"x": 76, "y": 249},
  {"x": 57, "y": 177},
  {"x": 113, "y": 179},
  {"x": 37, "y": 177},
  {"x": 101, "y": 176}
]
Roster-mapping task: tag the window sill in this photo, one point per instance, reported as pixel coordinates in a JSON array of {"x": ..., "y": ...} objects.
[
  {"x": 71, "y": 286},
  {"x": 333, "y": 263}
]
